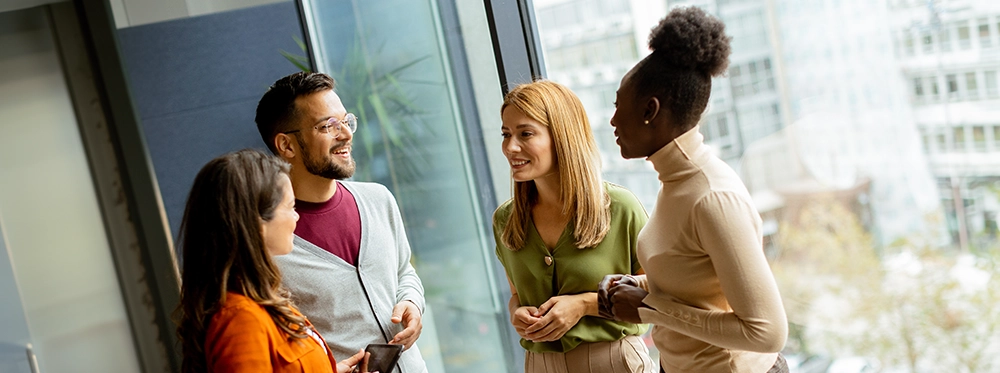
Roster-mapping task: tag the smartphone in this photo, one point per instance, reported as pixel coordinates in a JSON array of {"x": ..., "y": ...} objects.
[{"x": 383, "y": 357}]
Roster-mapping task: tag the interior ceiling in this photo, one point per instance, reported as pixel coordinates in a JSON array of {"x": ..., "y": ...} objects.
[{"x": 9, "y": 5}]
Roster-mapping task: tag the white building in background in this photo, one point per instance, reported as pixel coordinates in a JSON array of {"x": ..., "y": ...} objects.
[
  {"x": 747, "y": 104},
  {"x": 851, "y": 119},
  {"x": 814, "y": 107},
  {"x": 809, "y": 105},
  {"x": 949, "y": 53},
  {"x": 589, "y": 45}
]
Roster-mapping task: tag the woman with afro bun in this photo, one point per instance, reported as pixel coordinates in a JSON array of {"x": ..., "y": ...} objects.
[{"x": 708, "y": 289}]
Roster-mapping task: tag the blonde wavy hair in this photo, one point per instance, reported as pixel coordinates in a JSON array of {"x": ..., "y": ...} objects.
[{"x": 581, "y": 188}]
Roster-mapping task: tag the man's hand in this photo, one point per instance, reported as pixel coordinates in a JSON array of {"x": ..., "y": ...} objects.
[
  {"x": 350, "y": 365},
  {"x": 558, "y": 315},
  {"x": 604, "y": 303},
  {"x": 406, "y": 312},
  {"x": 626, "y": 300}
]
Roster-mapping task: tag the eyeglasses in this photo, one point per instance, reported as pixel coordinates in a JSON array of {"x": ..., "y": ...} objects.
[{"x": 334, "y": 125}]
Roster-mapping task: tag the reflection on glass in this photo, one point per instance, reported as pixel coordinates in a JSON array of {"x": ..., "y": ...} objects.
[
  {"x": 392, "y": 70},
  {"x": 854, "y": 157}
]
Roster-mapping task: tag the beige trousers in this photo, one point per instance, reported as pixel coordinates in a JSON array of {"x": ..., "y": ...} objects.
[{"x": 627, "y": 355}]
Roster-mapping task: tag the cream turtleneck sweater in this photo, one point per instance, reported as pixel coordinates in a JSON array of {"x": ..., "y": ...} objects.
[{"x": 714, "y": 303}]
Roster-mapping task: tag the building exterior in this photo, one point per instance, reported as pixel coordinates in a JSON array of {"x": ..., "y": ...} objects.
[
  {"x": 749, "y": 107},
  {"x": 811, "y": 108},
  {"x": 949, "y": 54},
  {"x": 588, "y": 46},
  {"x": 887, "y": 119},
  {"x": 851, "y": 117}
]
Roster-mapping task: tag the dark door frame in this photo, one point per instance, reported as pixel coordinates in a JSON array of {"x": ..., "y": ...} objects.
[{"x": 128, "y": 193}]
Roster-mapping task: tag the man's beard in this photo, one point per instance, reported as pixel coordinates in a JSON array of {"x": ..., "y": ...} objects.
[{"x": 325, "y": 166}]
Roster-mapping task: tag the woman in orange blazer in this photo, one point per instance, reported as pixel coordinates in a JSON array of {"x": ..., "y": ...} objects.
[{"x": 234, "y": 314}]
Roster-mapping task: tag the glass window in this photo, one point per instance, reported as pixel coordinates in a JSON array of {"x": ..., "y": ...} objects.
[
  {"x": 964, "y": 40},
  {"x": 971, "y": 88},
  {"x": 709, "y": 130},
  {"x": 394, "y": 64},
  {"x": 945, "y": 38},
  {"x": 979, "y": 138},
  {"x": 934, "y": 87},
  {"x": 942, "y": 142},
  {"x": 574, "y": 55},
  {"x": 984, "y": 33},
  {"x": 837, "y": 83},
  {"x": 990, "y": 77},
  {"x": 752, "y": 78},
  {"x": 952, "y": 80},
  {"x": 628, "y": 50},
  {"x": 958, "y": 138}
]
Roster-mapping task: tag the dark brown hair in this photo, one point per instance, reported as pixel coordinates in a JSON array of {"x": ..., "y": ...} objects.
[
  {"x": 276, "y": 109},
  {"x": 689, "y": 48},
  {"x": 223, "y": 248}
]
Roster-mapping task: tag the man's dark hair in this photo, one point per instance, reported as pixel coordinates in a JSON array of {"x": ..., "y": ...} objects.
[
  {"x": 276, "y": 109},
  {"x": 689, "y": 48}
]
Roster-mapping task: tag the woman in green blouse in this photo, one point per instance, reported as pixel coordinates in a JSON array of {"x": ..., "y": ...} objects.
[{"x": 561, "y": 233}]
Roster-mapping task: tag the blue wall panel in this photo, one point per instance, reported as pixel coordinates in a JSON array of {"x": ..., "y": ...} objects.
[{"x": 196, "y": 82}]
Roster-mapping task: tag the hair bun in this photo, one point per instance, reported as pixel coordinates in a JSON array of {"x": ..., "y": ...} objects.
[{"x": 690, "y": 38}]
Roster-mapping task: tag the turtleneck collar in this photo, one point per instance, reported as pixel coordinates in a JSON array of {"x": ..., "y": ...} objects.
[{"x": 679, "y": 158}]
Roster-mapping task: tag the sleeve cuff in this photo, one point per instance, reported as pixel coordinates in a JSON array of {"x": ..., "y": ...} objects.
[
  {"x": 415, "y": 299},
  {"x": 665, "y": 312},
  {"x": 643, "y": 283}
]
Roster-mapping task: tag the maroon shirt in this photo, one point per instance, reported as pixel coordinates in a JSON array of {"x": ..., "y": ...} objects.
[{"x": 334, "y": 225}]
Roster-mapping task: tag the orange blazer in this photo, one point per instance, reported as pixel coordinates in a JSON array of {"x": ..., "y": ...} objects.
[{"x": 242, "y": 337}]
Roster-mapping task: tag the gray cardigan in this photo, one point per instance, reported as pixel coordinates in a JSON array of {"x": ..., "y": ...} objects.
[{"x": 331, "y": 293}]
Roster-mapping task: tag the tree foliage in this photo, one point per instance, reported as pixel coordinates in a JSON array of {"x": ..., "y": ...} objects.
[{"x": 912, "y": 305}]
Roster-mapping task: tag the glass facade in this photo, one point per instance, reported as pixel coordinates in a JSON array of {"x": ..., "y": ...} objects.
[
  {"x": 872, "y": 153},
  {"x": 869, "y": 152},
  {"x": 394, "y": 65}
]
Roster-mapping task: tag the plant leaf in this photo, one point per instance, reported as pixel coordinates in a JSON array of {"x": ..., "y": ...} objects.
[
  {"x": 297, "y": 60},
  {"x": 302, "y": 45},
  {"x": 369, "y": 145},
  {"x": 407, "y": 65},
  {"x": 385, "y": 119}
]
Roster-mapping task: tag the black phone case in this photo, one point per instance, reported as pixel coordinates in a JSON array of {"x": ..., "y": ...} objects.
[{"x": 383, "y": 357}]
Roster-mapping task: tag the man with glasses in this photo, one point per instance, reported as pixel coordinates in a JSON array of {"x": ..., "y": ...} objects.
[{"x": 349, "y": 271}]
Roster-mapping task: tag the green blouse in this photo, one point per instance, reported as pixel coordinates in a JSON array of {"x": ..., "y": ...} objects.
[{"x": 538, "y": 274}]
